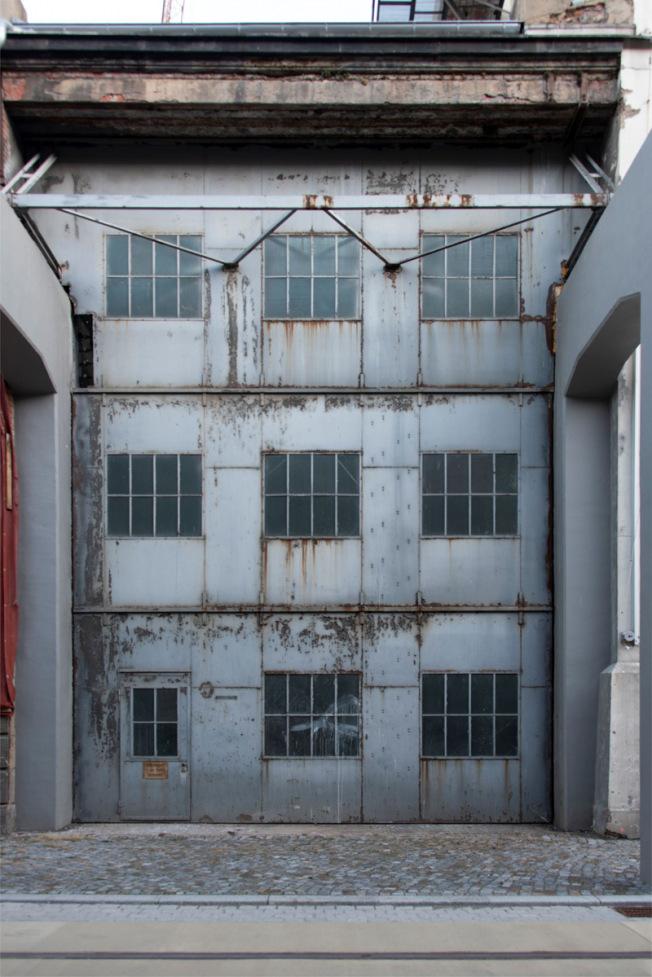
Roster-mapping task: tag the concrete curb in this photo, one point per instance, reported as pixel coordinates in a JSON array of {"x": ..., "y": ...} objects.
[{"x": 338, "y": 900}]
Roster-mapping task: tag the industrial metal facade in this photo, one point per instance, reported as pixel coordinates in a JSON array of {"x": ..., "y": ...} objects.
[{"x": 436, "y": 629}]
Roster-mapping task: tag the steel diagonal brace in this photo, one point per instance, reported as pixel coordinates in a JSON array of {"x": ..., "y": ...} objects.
[
  {"x": 232, "y": 265},
  {"x": 389, "y": 265}
]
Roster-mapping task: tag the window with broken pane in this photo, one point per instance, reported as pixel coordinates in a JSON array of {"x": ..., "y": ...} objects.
[
  {"x": 151, "y": 280},
  {"x": 469, "y": 714},
  {"x": 469, "y": 494},
  {"x": 312, "y": 715},
  {"x": 154, "y": 495},
  {"x": 473, "y": 280},
  {"x": 154, "y": 714},
  {"x": 312, "y": 495},
  {"x": 312, "y": 276}
]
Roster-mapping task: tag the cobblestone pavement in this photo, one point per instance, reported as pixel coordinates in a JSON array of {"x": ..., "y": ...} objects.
[{"x": 425, "y": 860}]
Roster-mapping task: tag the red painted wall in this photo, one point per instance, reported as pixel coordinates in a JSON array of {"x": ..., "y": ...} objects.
[{"x": 8, "y": 552}]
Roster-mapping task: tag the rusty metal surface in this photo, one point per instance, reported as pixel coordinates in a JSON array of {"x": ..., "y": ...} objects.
[{"x": 230, "y": 605}]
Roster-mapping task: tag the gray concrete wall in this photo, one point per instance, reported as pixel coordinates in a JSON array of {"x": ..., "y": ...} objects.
[
  {"x": 37, "y": 323},
  {"x": 597, "y": 331}
]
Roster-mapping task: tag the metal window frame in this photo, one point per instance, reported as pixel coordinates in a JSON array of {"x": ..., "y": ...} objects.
[
  {"x": 469, "y": 453},
  {"x": 312, "y": 317},
  {"x": 286, "y": 715},
  {"x": 494, "y": 672},
  {"x": 130, "y": 496},
  {"x": 287, "y": 494},
  {"x": 176, "y": 247},
  {"x": 471, "y": 278},
  {"x": 155, "y": 723}
]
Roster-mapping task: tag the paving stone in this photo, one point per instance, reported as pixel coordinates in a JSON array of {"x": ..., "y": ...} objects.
[{"x": 425, "y": 860}]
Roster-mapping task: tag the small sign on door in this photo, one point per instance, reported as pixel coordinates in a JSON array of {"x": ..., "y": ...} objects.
[{"x": 155, "y": 770}]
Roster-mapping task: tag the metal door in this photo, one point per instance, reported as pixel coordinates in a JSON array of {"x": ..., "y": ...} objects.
[{"x": 154, "y": 768}]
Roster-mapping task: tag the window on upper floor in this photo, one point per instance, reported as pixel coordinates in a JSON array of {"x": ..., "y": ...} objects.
[
  {"x": 147, "y": 280},
  {"x": 469, "y": 494},
  {"x": 313, "y": 715},
  {"x": 476, "y": 280},
  {"x": 469, "y": 714},
  {"x": 312, "y": 494},
  {"x": 312, "y": 276},
  {"x": 154, "y": 495}
]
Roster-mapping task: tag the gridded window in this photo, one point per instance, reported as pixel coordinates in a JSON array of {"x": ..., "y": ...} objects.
[
  {"x": 146, "y": 280},
  {"x": 469, "y": 715},
  {"x": 312, "y": 495},
  {"x": 155, "y": 722},
  {"x": 312, "y": 276},
  {"x": 154, "y": 495},
  {"x": 476, "y": 280},
  {"x": 312, "y": 715},
  {"x": 469, "y": 494}
]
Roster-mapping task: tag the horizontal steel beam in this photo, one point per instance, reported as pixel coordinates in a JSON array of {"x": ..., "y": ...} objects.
[{"x": 311, "y": 201}]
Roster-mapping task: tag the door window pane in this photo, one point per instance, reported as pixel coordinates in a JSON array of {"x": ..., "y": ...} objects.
[
  {"x": 166, "y": 739},
  {"x": 144, "y": 739},
  {"x": 143, "y": 704}
]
